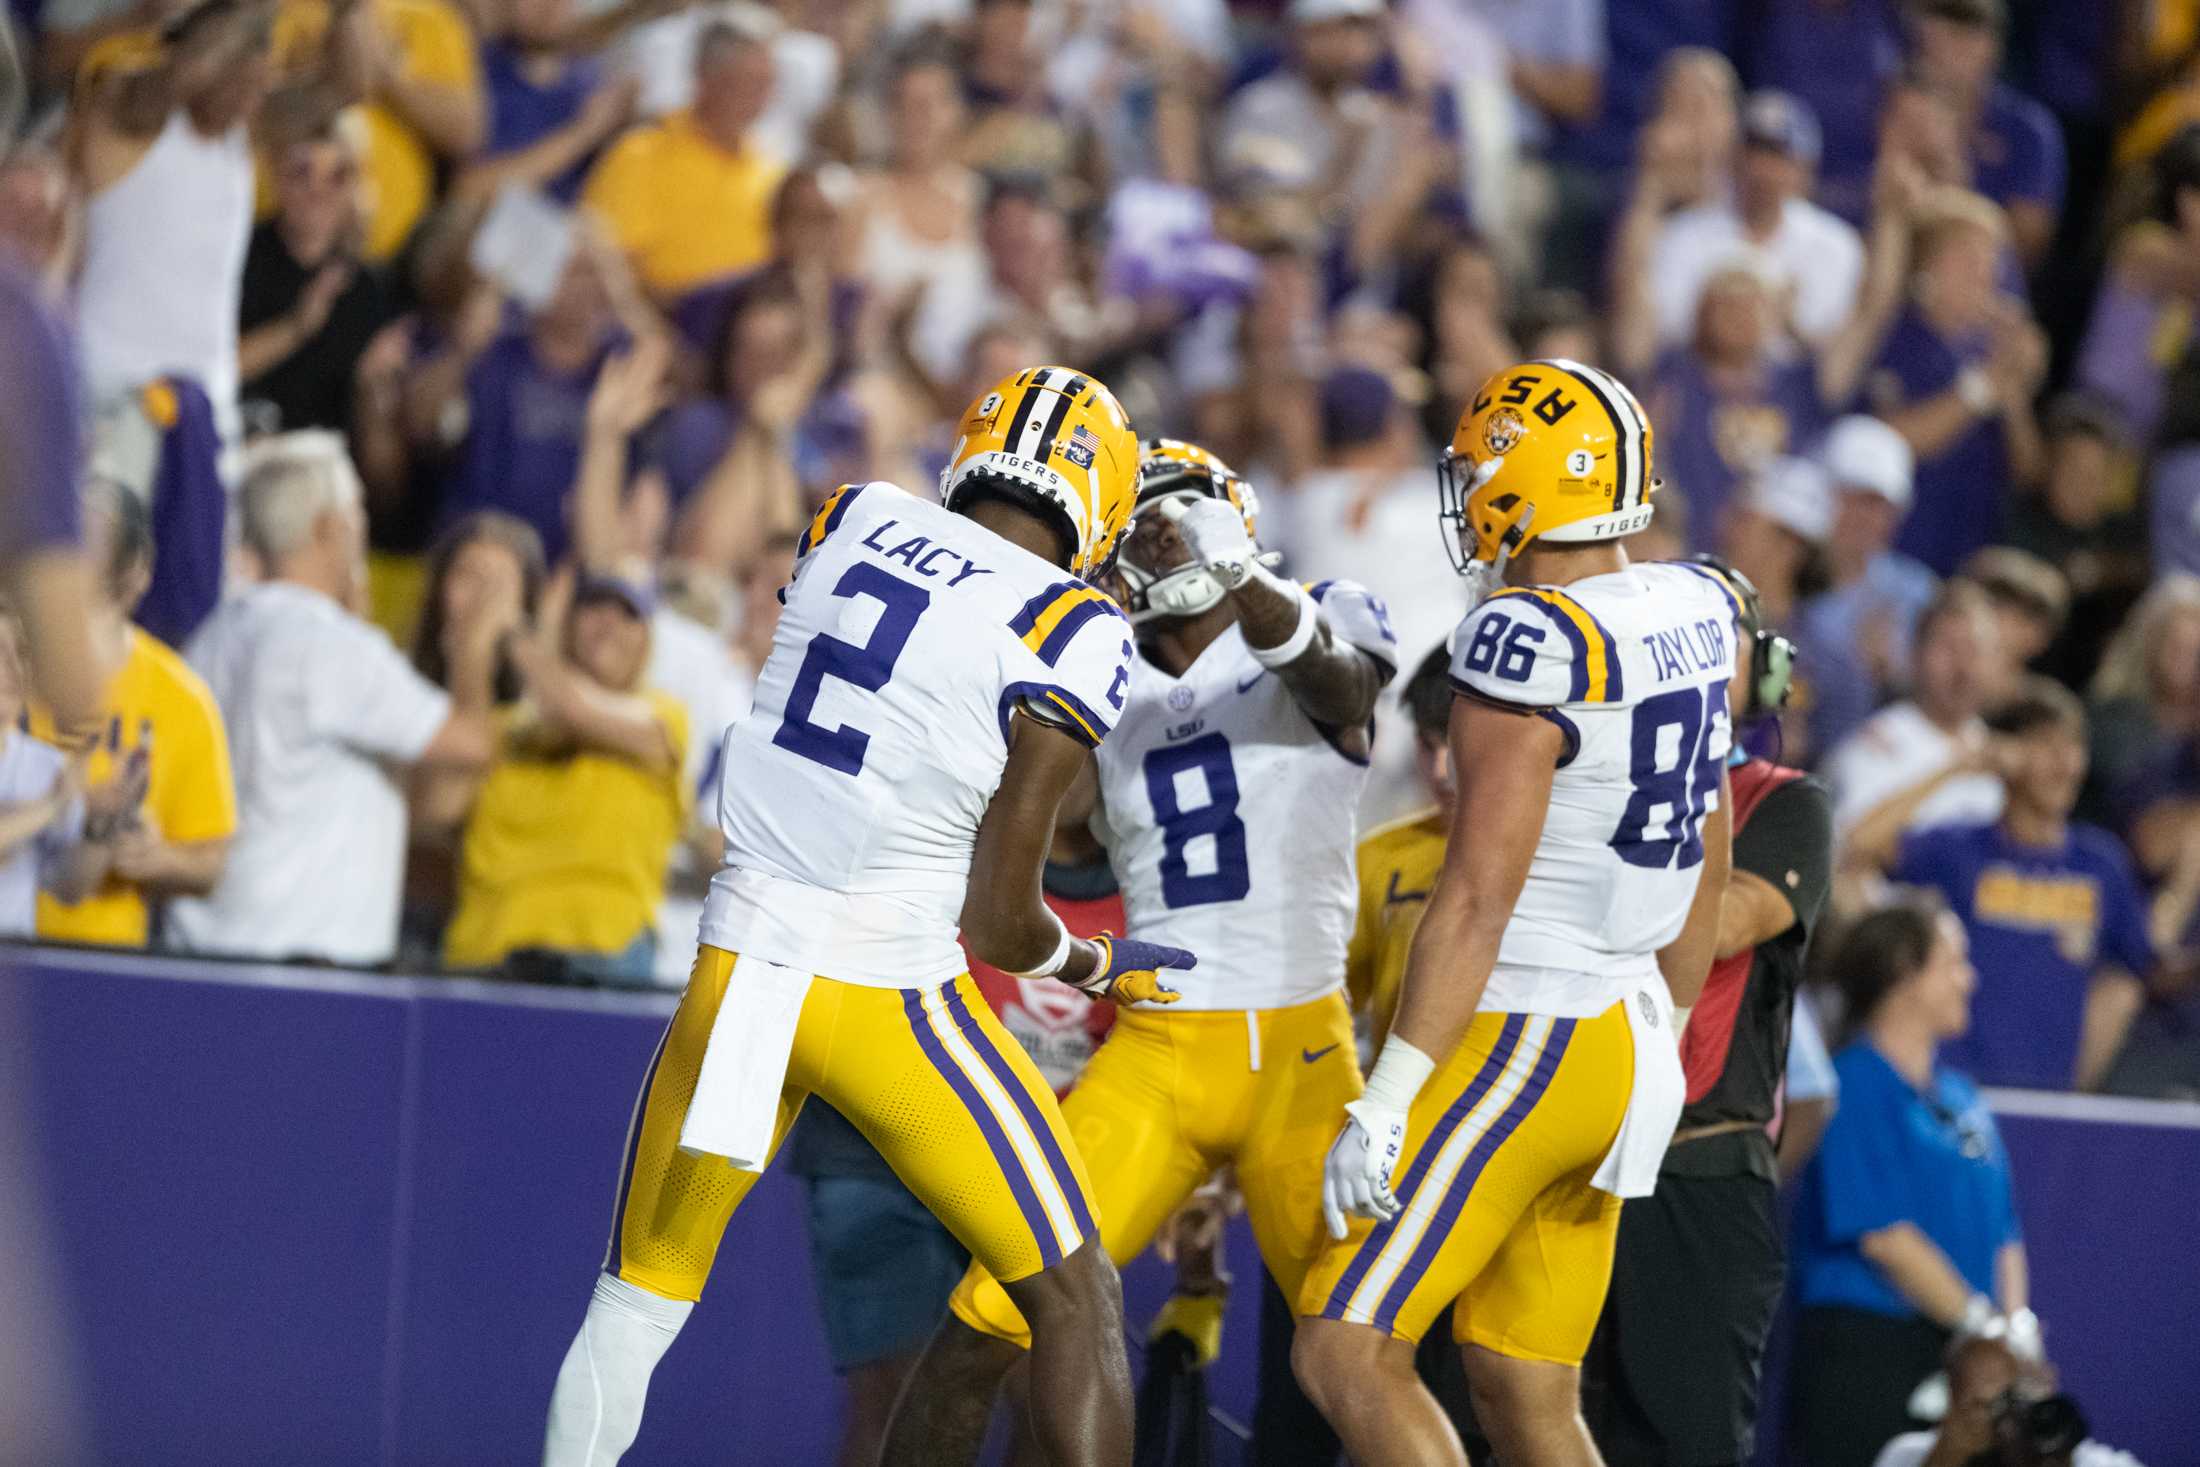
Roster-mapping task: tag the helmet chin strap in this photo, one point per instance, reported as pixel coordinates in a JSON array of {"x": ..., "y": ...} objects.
[{"x": 1485, "y": 577}]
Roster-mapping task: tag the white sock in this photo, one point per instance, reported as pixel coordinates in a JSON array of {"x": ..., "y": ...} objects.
[{"x": 597, "y": 1406}]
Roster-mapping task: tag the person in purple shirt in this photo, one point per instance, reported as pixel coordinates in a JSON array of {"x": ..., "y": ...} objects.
[
  {"x": 2015, "y": 144},
  {"x": 1956, "y": 375},
  {"x": 1736, "y": 397},
  {"x": 1788, "y": 48},
  {"x": 550, "y": 111},
  {"x": 526, "y": 405},
  {"x": 2057, "y": 926}
]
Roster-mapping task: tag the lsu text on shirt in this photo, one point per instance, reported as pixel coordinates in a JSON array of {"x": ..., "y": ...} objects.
[
  {"x": 1229, "y": 817},
  {"x": 1633, "y": 667},
  {"x": 852, "y": 792}
]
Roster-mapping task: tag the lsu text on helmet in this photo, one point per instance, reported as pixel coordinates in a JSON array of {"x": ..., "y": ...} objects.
[
  {"x": 1057, "y": 442},
  {"x": 1548, "y": 450}
]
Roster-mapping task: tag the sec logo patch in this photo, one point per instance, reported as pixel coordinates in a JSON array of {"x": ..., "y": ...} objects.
[{"x": 1180, "y": 699}]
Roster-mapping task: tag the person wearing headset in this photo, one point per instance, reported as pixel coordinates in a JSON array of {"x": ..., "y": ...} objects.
[{"x": 1673, "y": 1373}]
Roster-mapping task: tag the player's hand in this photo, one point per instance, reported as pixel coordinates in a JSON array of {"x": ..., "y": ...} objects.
[
  {"x": 1129, "y": 971},
  {"x": 1215, "y": 534},
  {"x": 1356, "y": 1177}
]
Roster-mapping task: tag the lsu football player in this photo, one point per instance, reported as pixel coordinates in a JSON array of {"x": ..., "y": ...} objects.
[
  {"x": 1226, "y": 799},
  {"x": 938, "y": 680},
  {"x": 1531, "y": 1078}
]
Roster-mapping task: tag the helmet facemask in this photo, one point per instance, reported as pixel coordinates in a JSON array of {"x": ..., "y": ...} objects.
[
  {"x": 1478, "y": 537},
  {"x": 1185, "y": 590}
]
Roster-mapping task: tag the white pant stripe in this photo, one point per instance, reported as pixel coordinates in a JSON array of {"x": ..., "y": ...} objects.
[{"x": 1011, "y": 1120}]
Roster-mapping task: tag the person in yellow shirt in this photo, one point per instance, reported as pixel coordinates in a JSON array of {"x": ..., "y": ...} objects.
[
  {"x": 689, "y": 198},
  {"x": 425, "y": 105},
  {"x": 1398, "y": 860},
  {"x": 566, "y": 849},
  {"x": 153, "y": 702}
]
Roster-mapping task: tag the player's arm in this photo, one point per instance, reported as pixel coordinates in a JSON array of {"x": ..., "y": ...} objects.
[
  {"x": 1334, "y": 682},
  {"x": 1505, "y": 760},
  {"x": 1005, "y": 918},
  {"x": 1686, "y": 960}
]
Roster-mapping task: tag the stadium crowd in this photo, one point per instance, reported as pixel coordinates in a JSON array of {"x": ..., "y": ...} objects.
[{"x": 458, "y": 377}]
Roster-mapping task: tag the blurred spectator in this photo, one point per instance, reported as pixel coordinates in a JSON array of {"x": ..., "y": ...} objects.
[
  {"x": 2145, "y": 699},
  {"x": 549, "y": 110},
  {"x": 1855, "y": 634},
  {"x": 1015, "y": 126},
  {"x": 1906, "y": 1227},
  {"x": 164, "y": 153},
  {"x": 44, "y": 575},
  {"x": 38, "y": 215},
  {"x": 1957, "y": 669},
  {"x": 920, "y": 252},
  {"x": 423, "y": 110},
  {"x": 1254, "y": 371},
  {"x": 1812, "y": 261},
  {"x": 806, "y": 65},
  {"x": 566, "y": 846},
  {"x": 1732, "y": 398},
  {"x": 1956, "y": 377},
  {"x": 319, "y": 709},
  {"x": 1464, "y": 338},
  {"x": 54, "y": 840},
  {"x": 689, "y": 199},
  {"x": 2015, "y": 146},
  {"x": 2030, "y": 598},
  {"x": 1991, "y": 1388},
  {"x": 1032, "y": 256},
  {"x": 2076, "y": 524},
  {"x": 155, "y": 712},
  {"x": 308, "y": 307},
  {"x": 1776, "y": 535},
  {"x": 1363, "y": 512},
  {"x": 2141, "y": 327},
  {"x": 1691, "y": 139},
  {"x": 522, "y": 395},
  {"x": 2057, "y": 927},
  {"x": 1791, "y": 48}
]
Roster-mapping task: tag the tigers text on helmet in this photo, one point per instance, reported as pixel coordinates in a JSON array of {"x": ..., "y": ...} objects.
[
  {"x": 1058, "y": 443},
  {"x": 1174, "y": 469},
  {"x": 1548, "y": 450}
]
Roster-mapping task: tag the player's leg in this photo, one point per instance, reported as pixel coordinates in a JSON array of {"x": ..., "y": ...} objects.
[
  {"x": 1123, "y": 1118},
  {"x": 1309, "y": 1075},
  {"x": 1525, "y": 1323},
  {"x": 963, "y": 1116},
  {"x": 671, "y": 1210},
  {"x": 1526, "y": 1100}
]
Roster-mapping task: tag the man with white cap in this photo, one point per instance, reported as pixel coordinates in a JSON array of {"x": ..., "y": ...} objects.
[
  {"x": 1775, "y": 532},
  {"x": 1856, "y": 633}
]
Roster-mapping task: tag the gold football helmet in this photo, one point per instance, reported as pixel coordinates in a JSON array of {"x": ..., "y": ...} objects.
[
  {"x": 1056, "y": 441},
  {"x": 1175, "y": 470}
]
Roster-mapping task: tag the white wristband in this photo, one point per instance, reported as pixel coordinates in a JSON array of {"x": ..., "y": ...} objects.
[
  {"x": 1056, "y": 960},
  {"x": 1400, "y": 1072},
  {"x": 1302, "y": 636}
]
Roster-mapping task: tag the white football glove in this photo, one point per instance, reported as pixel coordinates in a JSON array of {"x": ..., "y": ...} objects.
[
  {"x": 1356, "y": 1177},
  {"x": 1214, "y": 532}
]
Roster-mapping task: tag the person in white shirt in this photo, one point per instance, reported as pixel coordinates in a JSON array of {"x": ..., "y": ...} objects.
[
  {"x": 324, "y": 716},
  {"x": 1816, "y": 257},
  {"x": 1925, "y": 761},
  {"x": 1991, "y": 1389}
]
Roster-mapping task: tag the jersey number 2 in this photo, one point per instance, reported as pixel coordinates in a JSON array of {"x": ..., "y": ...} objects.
[
  {"x": 1675, "y": 773},
  {"x": 867, "y": 664},
  {"x": 1218, "y": 817}
]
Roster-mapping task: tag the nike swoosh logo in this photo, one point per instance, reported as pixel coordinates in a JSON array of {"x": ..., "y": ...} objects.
[
  {"x": 1256, "y": 677},
  {"x": 1311, "y": 1055}
]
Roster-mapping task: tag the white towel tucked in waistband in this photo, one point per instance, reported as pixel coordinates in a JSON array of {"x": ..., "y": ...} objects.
[
  {"x": 1630, "y": 1168},
  {"x": 736, "y": 1101}
]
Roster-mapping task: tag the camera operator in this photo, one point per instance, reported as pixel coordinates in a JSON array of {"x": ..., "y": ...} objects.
[
  {"x": 2002, "y": 1412},
  {"x": 1674, "y": 1371}
]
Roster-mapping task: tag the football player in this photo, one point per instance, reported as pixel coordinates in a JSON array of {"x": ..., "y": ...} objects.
[
  {"x": 1226, "y": 798},
  {"x": 1531, "y": 1077},
  {"x": 937, "y": 682}
]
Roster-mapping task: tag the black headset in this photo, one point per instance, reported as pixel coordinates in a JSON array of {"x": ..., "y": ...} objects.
[{"x": 1772, "y": 656}]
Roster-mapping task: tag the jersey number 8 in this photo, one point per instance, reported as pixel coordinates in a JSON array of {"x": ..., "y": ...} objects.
[
  {"x": 1674, "y": 767},
  {"x": 1218, "y": 817}
]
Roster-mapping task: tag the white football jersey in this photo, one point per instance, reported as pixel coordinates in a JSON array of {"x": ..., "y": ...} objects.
[
  {"x": 851, "y": 794},
  {"x": 1229, "y": 818},
  {"x": 1633, "y": 667}
]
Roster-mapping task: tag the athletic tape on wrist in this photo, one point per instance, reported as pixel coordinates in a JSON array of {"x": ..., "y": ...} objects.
[
  {"x": 1302, "y": 635},
  {"x": 1056, "y": 960}
]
